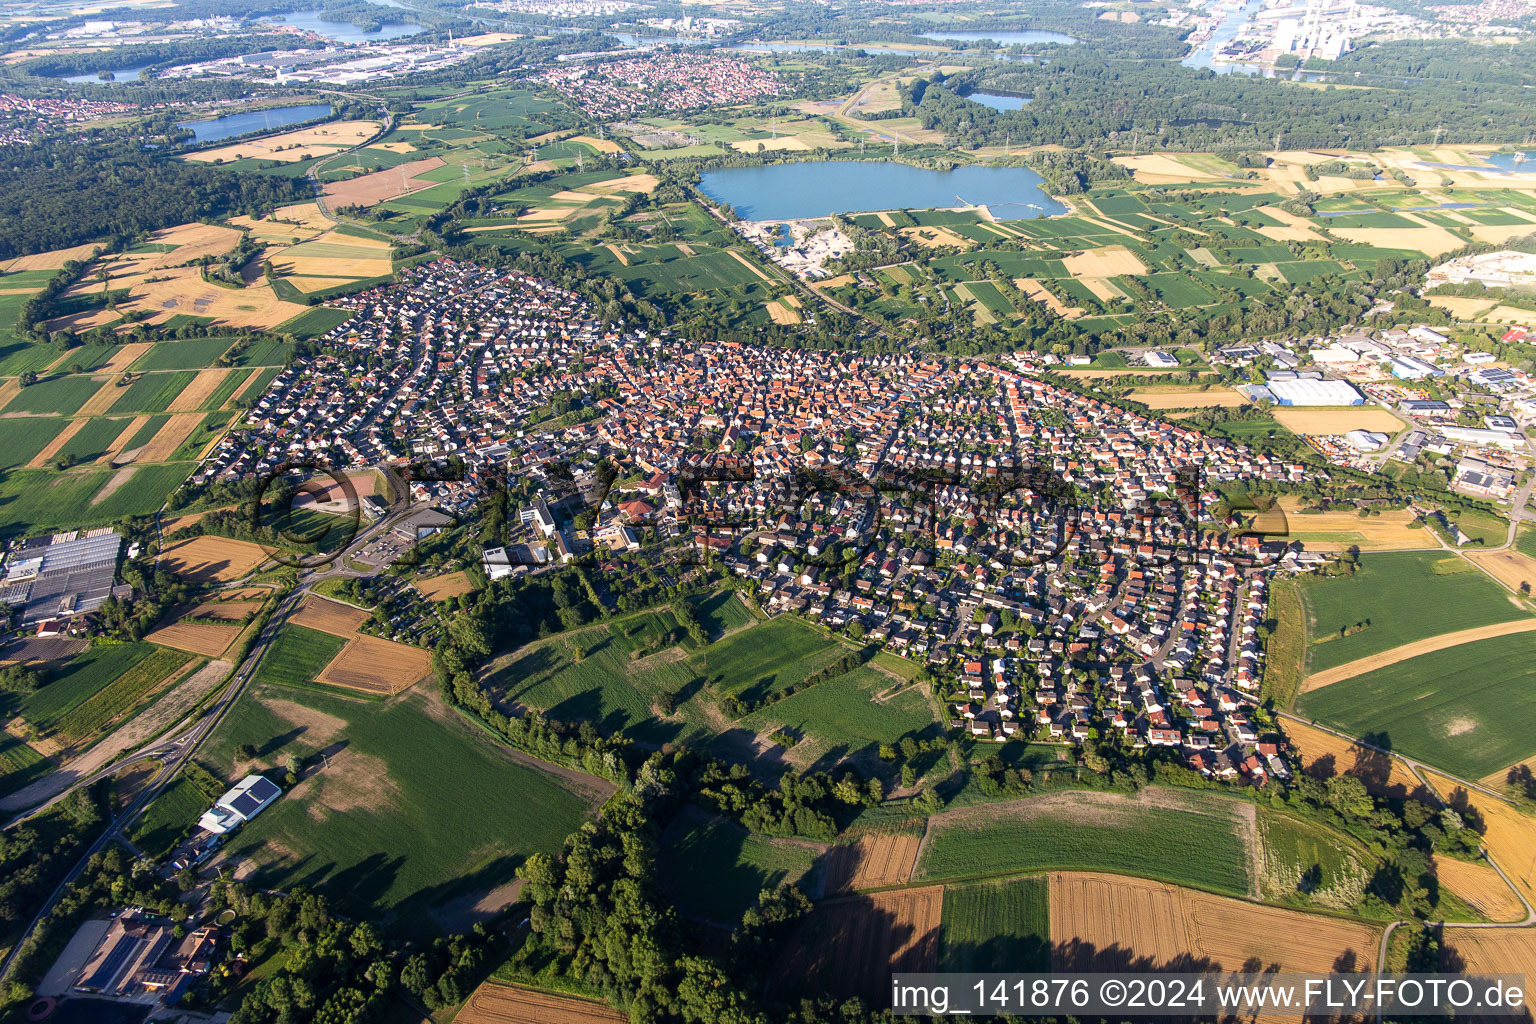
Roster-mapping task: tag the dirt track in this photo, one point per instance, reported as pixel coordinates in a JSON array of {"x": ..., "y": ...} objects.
[{"x": 1429, "y": 645}]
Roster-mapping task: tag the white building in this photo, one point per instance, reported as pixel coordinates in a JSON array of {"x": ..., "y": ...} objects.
[
  {"x": 249, "y": 798},
  {"x": 1310, "y": 391}
]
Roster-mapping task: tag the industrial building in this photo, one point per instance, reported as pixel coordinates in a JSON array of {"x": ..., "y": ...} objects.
[
  {"x": 1299, "y": 390},
  {"x": 61, "y": 575},
  {"x": 252, "y": 795}
]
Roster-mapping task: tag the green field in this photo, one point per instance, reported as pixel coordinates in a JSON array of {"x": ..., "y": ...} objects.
[
  {"x": 57, "y": 395},
  {"x": 25, "y": 436},
  {"x": 78, "y": 680},
  {"x": 188, "y": 354},
  {"x": 1188, "y": 839},
  {"x": 152, "y": 392},
  {"x": 316, "y": 322},
  {"x": 767, "y": 658},
  {"x": 169, "y": 816},
  {"x": 714, "y": 869},
  {"x": 119, "y": 696},
  {"x": 410, "y": 809},
  {"x": 297, "y": 655},
  {"x": 1307, "y": 863},
  {"x": 996, "y": 926},
  {"x": 1469, "y": 709},
  {"x": 838, "y": 715},
  {"x": 1403, "y": 599}
]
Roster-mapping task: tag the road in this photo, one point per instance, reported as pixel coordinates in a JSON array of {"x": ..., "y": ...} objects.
[{"x": 175, "y": 750}]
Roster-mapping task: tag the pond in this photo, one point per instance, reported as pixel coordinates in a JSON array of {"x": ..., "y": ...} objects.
[
  {"x": 1006, "y": 37},
  {"x": 118, "y": 75},
  {"x": 231, "y": 125},
  {"x": 1521, "y": 163},
  {"x": 997, "y": 101},
  {"x": 342, "y": 31},
  {"x": 796, "y": 191}
]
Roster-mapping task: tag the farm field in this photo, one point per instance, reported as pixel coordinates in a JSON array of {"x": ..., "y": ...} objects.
[
  {"x": 1514, "y": 569},
  {"x": 169, "y": 816},
  {"x": 494, "y": 1003},
  {"x": 1499, "y": 951},
  {"x": 1444, "y": 641},
  {"x": 208, "y": 559},
  {"x": 411, "y": 810},
  {"x": 288, "y": 147},
  {"x": 1324, "y": 420},
  {"x": 77, "y": 681},
  {"x": 874, "y": 858},
  {"x": 842, "y": 714},
  {"x": 1404, "y": 598},
  {"x": 1509, "y": 834},
  {"x": 851, "y": 945},
  {"x": 769, "y": 657},
  {"x": 331, "y": 617},
  {"x": 1162, "y": 833},
  {"x": 713, "y": 869},
  {"x": 996, "y": 926},
  {"x": 1469, "y": 710},
  {"x": 1108, "y": 922},
  {"x": 298, "y": 655},
  {"x": 1481, "y": 887},
  {"x": 444, "y": 587},
  {"x": 1324, "y": 755},
  {"x": 1337, "y": 531},
  {"x": 376, "y": 666}
]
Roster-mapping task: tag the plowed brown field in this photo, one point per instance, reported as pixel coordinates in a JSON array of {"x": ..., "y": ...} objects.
[
  {"x": 875, "y": 859},
  {"x": 504, "y": 1004},
  {"x": 850, "y": 946},
  {"x": 1112, "y": 922}
]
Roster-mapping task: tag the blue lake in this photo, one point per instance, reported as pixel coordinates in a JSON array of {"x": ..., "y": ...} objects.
[
  {"x": 997, "y": 101},
  {"x": 231, "y": 125},
  {"x": 815, "y": 189},
  {"x": 1016, "y": 37},
  {"x": 118, "y": 75},
  {"x": 341, "y": 31},
  {"x": 1521, "y": 162}
]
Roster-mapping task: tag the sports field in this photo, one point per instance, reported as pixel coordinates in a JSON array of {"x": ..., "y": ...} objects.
[
  {"x": 1195, "y": 840},
  {"x": 409, "y": 809},
  {"x": 1469, "y": 709},
  {"x": 1395, "y": 598}
]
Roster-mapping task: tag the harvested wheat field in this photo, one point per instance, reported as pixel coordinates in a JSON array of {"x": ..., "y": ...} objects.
[
  {"x": 192, "y": 242},
  {"x": 440, "y": 588},
  {"x": 505, "y": 1004},
  {"x": 1360, "y": 666},
  {"x": 54, "y": 260},
  {"x": 289, "y": 147},
  {"x": 1110, "y": 261},
  {"x": 850, "y": 946},
  {"x": 212, "y": 559},
  {"x": 1511, "y": 568},
  {"x": 169, "y": 437},
  {"x": 1393, "y": 530},
  {"x": 1195, "y": 399},
  {"x": 377, "y": 666},
  {"x": 779, "y": 313},
  {"x": 182, "y": 290},
  {"x": 1431, "y": 241},
  {"x": 1496, "y": 781},
  {"x": 42, "y": 458},
  {"x": 103, "y": 399},
  {"x": 328, "y": 616},
  {"x": 196, "y": 637},
  {"x": 873, "y": 860},
  {"x": 1321, "y": 420},
  {"x": 934, "y": 238},
  {"x": 373, "y": 189},
  {"x": 1481, "y": 886},
  {"x": 628, "y": 183},
  {"x": 1160, "y": 169},
  {"x": 1294, "y": 229},
  {"x": 335, "y": 255},
  {"x": 1038, "y": 292},
  {"x": 125, "y": 356},
  {"x": 1112, "y": 922},
  {"x": 1324, "y": 755},
  {"x": 1509, "y": 834},
  {"x": 784, "y": 143},
  {"x": 231, "y": 611},
  {"x": 198, "y": 390},
  {"x": 1490, "y": 951}
]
